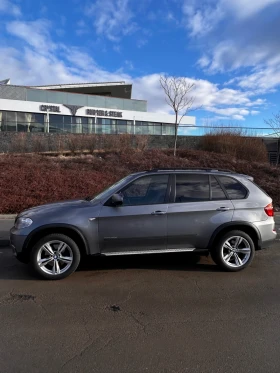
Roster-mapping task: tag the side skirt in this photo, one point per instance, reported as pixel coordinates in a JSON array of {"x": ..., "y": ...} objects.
[{"x": 149, "y": 252}]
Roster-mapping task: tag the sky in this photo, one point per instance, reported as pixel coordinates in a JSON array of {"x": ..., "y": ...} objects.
[{"x": 230, "y": 50}]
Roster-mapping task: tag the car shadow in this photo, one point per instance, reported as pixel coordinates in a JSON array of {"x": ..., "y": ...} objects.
[
  {"x": 12, "y": 269},
  {"x": 168, "y": 261}
]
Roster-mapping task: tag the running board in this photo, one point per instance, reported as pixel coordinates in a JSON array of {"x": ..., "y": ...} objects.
[{"x": 149, "y": 252}]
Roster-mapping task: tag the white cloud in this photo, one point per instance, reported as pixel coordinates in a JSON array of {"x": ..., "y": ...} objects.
[
  {"x": 204, "y": 15},
  {"x": 112, "y": 18},
  {"x": 7, "y": 6},
  {"x": 234, "y": 33},
  {"x": 202, "y": 19},
  {"x": 204, "y": 61},
  {"x": 32, "y": 65},
  {"x": 35, "y": 33},
  {"x": 262, "y": 80},
  {"x": 247, "y": 8}
]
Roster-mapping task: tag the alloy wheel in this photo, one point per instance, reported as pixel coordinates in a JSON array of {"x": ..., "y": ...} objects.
[
  {"x": 236, "y": 251},
  {"x": 55, "y": 257}
]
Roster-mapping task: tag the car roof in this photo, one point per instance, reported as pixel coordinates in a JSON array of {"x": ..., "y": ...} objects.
[{"x": 197, "y": 171}]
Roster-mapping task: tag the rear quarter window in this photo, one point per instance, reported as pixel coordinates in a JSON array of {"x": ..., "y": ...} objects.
[{"x": 234, "y": 188}]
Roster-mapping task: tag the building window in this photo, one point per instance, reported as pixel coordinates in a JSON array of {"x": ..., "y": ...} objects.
[
  {"x": 121, "y": 126},
  {"x": 10, "y": 124},
  {"x": 56, "y": 123},
  {"x": 168, "y": 129},
  {"x": 67, "y": 124}
]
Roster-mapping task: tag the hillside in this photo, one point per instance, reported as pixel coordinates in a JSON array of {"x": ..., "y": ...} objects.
[{"x": 29, "y": 180}]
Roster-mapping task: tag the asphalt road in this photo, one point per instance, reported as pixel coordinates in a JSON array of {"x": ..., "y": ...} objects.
[{"x": 142, "y": 314}]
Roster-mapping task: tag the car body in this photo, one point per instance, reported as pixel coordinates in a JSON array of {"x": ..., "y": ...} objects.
[{"x": 156, "y": 211}]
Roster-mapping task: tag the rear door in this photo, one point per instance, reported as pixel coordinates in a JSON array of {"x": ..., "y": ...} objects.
[{"x": 199, "y": 205}]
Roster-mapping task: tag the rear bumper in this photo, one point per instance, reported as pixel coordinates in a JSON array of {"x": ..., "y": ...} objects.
[
  {"x": 267, "y": 232},
  {"x": 266, "y": 244}
]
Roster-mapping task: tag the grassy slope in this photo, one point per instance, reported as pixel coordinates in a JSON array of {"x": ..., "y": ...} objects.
[{"x": 29, "y": 180}]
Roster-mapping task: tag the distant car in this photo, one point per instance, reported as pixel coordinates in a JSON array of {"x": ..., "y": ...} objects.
[{"x": 159, "y": 211}]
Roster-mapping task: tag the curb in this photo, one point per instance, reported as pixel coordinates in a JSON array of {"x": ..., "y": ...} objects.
[{"x": 8, "y": 217}]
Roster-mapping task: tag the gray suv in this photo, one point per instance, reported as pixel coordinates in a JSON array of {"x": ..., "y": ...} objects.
[{"x": 158, "y": 211}]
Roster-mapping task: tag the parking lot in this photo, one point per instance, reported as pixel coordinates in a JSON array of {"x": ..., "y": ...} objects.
[{"x": 159, "y": 313}]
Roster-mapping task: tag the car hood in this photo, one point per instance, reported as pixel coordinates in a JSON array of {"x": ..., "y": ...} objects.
[{"x": 55, "y": 207}]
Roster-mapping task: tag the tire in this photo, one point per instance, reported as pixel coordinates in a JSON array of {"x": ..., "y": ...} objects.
[
  {"x": 59, "y": 256},
  {"x": 240, "y": 246}
]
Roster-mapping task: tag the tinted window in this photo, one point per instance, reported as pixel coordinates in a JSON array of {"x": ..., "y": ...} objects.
[
  {"x": 192, "y": 188},
  {"x": 234, "y": 189},
  {"x": 147, "y": 190},
  {"x": 217, "y": 191}
]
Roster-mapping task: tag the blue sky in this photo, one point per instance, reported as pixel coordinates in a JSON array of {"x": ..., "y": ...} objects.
[{"x": 230, "y": 49}]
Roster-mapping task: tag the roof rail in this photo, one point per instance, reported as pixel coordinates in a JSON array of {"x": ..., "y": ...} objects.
[{"x": 191, "y": 169}]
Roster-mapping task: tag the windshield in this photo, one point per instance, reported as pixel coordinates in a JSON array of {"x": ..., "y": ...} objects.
[{"x": 113, "y": 188}]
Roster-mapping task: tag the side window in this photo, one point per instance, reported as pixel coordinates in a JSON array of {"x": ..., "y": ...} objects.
[
  {"x": 147, "y": 190},
  {"x": 217, "y": 192},
  {"x": 192, "y": 188},
  {"x": 235, "y": 190}
]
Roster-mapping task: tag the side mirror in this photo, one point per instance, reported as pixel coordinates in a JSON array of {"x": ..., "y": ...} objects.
[{"x": 117, "y": 199}]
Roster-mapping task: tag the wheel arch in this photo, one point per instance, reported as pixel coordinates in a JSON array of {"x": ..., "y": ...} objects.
[
  {"x": 245, "y": 227},
  {"x": 65, "y": 229}
]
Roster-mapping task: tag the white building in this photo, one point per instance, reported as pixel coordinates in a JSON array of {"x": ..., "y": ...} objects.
[{"x": 80, "y": 108}]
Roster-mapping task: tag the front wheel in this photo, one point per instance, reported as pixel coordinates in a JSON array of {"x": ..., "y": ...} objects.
[
  {"x": 55, "y": 257},
  {"x": 234, "y": 251}
]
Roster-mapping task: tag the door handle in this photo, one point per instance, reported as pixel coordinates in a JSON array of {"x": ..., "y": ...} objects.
[
  {"x": 223, "y": 209},
  {"x": 159, "y": 213}
]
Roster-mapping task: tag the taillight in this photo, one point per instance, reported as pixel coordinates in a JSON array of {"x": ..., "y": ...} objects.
[{"x": 269, "y": 210}]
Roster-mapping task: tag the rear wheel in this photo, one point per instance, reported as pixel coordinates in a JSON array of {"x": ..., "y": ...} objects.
[
  {"x": 55, "y": 256},
  {"x": 234, "y": 251}
]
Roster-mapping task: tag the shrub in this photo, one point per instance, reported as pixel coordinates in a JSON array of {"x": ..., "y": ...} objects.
[
  {"x": 19, "y": 143},
  {"x": 141, "y": 142},
  {"x": 73, "y": 142},
  {"x": 117, "y": 142},
  {"x": 38, "y": 143},
  {"x": 30, "y": 180},
  {"x": 234, "y": 144}
]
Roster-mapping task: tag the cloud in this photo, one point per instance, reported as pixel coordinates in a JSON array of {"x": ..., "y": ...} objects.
[
  {"x": 9, "y": 7},
  {"x": 112, "y": 18},
  {"x": 234, "y": 33},
  {"x": 39, "y": 60},
  {"x": 204, "y": 15},
  {"x": 35, "y": 33},
  {"x": 261, "y": 80},
  {"x": 202, "y": 19}
]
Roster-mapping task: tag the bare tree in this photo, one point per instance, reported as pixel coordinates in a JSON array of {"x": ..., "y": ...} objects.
[
  {"x": 274, "y": 123},
  {"x": 177, "y": 95}
]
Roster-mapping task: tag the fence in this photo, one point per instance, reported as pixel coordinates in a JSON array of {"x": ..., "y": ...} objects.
[{"x": 159, "y": 129}]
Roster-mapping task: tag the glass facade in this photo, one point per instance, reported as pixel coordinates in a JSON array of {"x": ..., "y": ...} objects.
[{"x": 32, "y": 122}]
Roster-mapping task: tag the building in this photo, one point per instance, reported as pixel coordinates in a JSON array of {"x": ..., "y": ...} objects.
[{"x": 80, "y": 108}]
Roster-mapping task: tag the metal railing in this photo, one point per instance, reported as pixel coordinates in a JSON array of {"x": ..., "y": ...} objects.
[{"x": 160, "y": 129}]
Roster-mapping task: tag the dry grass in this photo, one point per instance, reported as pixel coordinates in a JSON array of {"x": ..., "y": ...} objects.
[
  {"x": 30, "y": 180},
  {"x": 235, "y": 144}
]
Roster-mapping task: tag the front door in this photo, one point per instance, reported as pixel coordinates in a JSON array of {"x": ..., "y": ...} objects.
[
  {"x": 199, "y": 207},
  {"x": 140, "y": 223}
]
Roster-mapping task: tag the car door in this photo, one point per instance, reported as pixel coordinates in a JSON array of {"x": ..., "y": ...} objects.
[
  {"x": 199, "y": 206},
  {"x": 140, "y": 223}
]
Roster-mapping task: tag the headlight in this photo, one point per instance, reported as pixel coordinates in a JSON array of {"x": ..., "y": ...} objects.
[{"x": 23, "y": 223}]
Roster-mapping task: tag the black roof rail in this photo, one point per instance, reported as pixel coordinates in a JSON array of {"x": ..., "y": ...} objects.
[{"x": 191, "y": 169}]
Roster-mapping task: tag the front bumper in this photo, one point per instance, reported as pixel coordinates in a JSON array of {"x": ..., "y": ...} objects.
[{"x": 16, "y": 241}]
